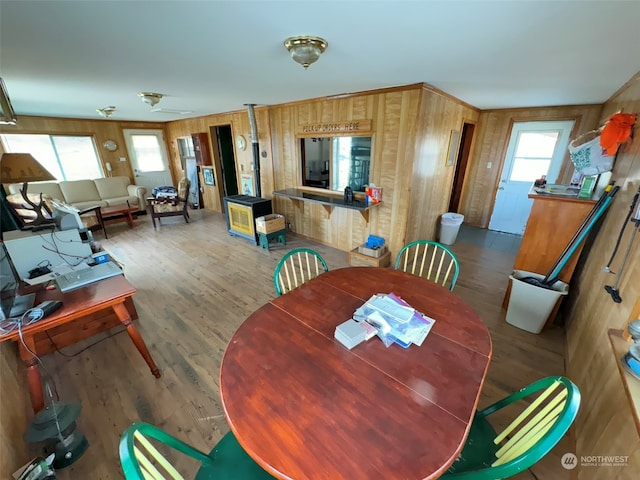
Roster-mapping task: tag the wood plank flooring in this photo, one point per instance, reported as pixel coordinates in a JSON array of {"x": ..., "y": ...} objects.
[{"x": 195, "y": 285}]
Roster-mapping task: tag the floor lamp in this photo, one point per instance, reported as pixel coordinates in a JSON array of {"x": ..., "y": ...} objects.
[{"x": 22, "y": 167}]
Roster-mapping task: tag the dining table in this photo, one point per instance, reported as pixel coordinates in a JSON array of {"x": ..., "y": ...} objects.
[{"x": 303, "y": 406}]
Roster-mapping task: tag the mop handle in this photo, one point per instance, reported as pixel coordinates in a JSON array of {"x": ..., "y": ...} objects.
[
  {"x": 624, "y": 226},
  {"x": 583, "y": 225},
  {"x": 584, "y": 233}
]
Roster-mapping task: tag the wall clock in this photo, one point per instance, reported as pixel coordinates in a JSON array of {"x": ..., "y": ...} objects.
[
  {"x": 241, "y": 143},
  {"x": 110, "y": 145}
]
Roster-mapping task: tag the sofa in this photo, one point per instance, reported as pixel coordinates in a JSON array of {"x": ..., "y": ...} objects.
[
  {"x": 103, "y": 192},
  {"x": 81, "y": 194}
]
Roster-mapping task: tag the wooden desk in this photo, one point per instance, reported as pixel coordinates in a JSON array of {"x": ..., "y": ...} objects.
[
  {"x": 303, "y": 406},
  {"x": 85, "y": 311}
]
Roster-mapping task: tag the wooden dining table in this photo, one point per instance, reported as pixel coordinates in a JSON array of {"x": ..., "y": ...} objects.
[{"x": 303, "y": 406}]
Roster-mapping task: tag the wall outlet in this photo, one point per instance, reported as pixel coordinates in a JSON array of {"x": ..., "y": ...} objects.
[{"x": 489, "y": 164}]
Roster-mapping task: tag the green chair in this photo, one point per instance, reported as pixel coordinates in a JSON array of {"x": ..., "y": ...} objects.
[
  {"x": 296, "y": 267},
  {"x": 441, "y": 264},
  {"x": 141, "y": 459},
  {"x": 526, "y": 440}
]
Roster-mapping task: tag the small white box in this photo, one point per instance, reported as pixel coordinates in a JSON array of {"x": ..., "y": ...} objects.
[{"x": 350, "y": 333}]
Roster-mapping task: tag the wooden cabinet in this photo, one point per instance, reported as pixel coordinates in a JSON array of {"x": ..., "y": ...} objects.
[
  {"x": 201, "y": 149},
  {"x": 552, "y": 223}
]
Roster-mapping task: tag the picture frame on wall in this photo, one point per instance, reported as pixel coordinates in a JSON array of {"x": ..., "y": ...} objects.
[
  {"x": 207, "y": 175},
  {"x": 454, "y": 143},
  {"x": 246, "y": 184}
]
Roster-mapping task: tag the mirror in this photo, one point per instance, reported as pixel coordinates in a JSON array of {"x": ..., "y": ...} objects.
[{"x": 336, "y": 162}]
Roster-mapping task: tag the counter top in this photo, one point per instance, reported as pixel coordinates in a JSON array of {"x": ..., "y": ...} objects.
[
  {"x": 329, "y": 200},
  {"x": 568, "y": 195}
]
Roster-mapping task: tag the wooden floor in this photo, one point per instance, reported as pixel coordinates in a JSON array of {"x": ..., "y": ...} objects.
[{"x": 195, "y": 285}]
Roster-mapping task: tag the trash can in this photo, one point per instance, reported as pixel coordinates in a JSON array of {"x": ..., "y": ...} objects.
[
  {"x": 449, "y": 227},
  {"x": 530, "y": 305}
]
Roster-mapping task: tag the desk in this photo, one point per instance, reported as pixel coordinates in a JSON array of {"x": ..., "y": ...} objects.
[
  {"x": 303, "y": 406},
  {"x": 85, "y": 311}
]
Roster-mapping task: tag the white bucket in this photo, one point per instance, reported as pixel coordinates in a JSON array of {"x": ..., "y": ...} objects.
[{"x": 530, "y": 305}]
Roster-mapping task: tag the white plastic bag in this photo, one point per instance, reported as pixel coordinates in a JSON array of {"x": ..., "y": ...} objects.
[{"x": 588, "y": 156}]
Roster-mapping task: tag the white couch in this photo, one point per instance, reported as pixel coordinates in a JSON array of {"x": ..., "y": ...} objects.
[{"x": 83, "y": 194}]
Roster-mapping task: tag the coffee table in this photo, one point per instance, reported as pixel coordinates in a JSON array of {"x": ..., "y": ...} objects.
[{"x": 114, "y": 214}]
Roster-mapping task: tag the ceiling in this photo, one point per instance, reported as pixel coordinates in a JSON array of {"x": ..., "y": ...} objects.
[{"x": 65, "y": 59}]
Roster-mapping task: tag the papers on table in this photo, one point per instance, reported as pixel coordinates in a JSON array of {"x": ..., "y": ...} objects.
[{"x": 395, "y": 320}]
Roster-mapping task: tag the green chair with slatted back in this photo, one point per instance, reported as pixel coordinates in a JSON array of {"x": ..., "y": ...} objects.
[
  {"x": 141, "y": 458},
  {"x": 487, "y": 455},
  {"x": 297, "y": 267},
  {"x": 431, "y": 260}
]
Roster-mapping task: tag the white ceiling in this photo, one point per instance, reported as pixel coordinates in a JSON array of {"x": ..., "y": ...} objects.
[{"x": 65, "y": 59}]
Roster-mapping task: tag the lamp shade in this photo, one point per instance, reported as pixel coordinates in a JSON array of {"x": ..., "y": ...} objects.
[{"x": 21, "y": 168}]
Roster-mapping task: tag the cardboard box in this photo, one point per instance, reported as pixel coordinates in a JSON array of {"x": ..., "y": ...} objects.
[
  {"x": 270, "y": 223},
  {"x": 357, "y": 259},
  {"x": 372, "y": 252}
]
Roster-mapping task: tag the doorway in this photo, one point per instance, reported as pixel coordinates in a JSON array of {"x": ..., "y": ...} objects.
[
  {"x": 535, "y": 149},
  {"x": 224, "y": 161},
  {"x": 148, "y": 157},
  {"x": 461, "y": 166}
]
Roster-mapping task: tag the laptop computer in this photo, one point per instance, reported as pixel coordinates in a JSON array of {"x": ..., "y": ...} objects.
[
  {"x": 79, "y": 278},
  {"x": 12, "y": 305}
]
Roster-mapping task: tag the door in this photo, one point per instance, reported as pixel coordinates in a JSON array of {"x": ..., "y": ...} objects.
[
  {"x": 228, "y": 160},
  {"x": 535, "y": 149},
  {"x": 461, "y": 166},
  {"x": 148, "y": 158}
]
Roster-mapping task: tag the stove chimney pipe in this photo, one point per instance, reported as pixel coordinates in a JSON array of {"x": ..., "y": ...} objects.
[{"x": 255, "y": 146}]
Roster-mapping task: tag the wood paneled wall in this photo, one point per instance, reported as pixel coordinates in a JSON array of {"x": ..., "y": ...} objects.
[
  {"x": 411, "y": 128},
  {"x": 492, "y": 138},
  {"x": 101, "y": 130},
  {"x": 239, "y": 122},
  {"x": 393, "y": 116},
  {"x": 605, "y": 425},
  {"x": 432, "y": 180}
]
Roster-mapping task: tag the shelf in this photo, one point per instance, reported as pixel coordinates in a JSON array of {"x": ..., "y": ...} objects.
[
  {"x": 631, "y": 384},
  {"x": 327, "y": 201}
]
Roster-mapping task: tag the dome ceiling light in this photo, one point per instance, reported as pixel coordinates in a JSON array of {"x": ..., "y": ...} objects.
[
  {"x": 106, "y": 112},
  {"x": 150, "y": 98},
  {"x": 305, "y": 49}
]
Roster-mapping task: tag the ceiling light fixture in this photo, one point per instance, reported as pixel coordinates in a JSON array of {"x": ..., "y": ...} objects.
[
  {"x": 150, "y": 98},
  {"x": 305, "y": 49},
  {"x": 106, "y": 112}
]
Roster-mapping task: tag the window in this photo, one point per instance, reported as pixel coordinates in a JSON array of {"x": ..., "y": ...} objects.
[
  {"x": 148, "y": 152},
  {"x": 67, "y": 157},
  {"x": 534, "y": 152},
  {"x": 186, "y": 149},
  {"x": 336, "y": 162}
]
